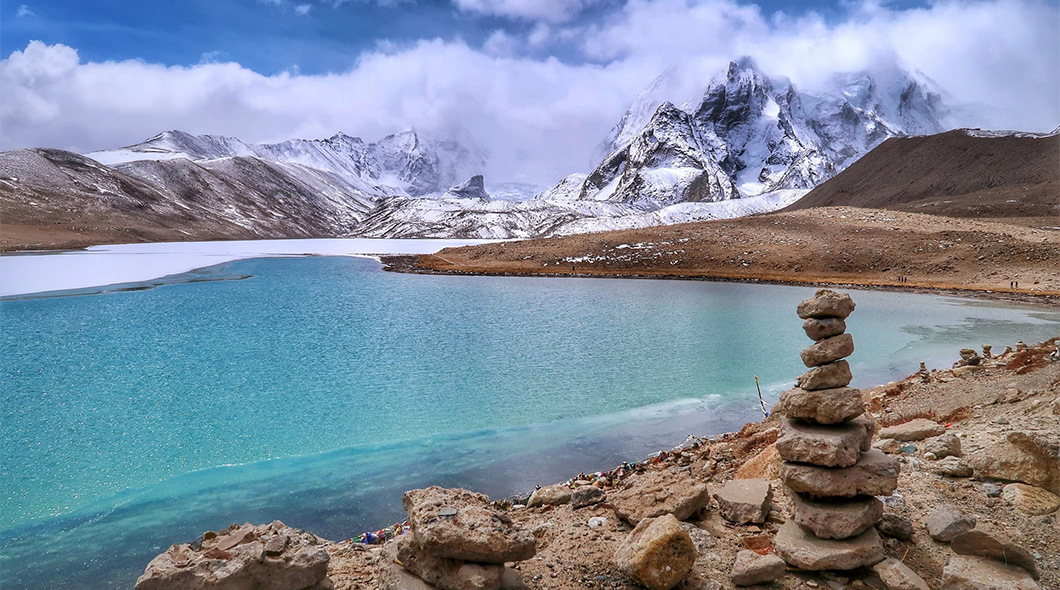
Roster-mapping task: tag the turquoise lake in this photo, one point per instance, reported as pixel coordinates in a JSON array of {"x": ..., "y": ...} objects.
[{"x": 315, "y": 390}]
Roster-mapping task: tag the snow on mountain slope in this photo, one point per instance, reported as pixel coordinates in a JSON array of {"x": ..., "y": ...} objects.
[
  {"x": 400, "y": 164},
  {"x": 750, "y": 134}
]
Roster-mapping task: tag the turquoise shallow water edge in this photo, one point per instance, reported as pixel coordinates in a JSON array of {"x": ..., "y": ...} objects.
[{"x": 316, "y": 390}]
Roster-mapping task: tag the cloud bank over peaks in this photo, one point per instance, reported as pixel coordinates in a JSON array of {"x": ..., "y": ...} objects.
[{"x": 541, "y": 117}]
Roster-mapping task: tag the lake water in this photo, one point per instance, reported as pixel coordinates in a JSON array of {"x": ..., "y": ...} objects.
[{"x": 316, "y": 390}]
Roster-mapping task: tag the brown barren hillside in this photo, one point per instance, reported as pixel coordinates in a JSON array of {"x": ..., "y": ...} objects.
[
  {"x": 953, "y": 173},
  {"x": 838, "y": 245}
]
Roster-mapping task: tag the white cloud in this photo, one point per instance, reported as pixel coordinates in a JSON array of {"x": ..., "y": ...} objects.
[
  {"x": 24, "y": 11},
  {"x": 548, "y": 10},
  {"x": 540, "y": 118},
  {"x": 303, "y": 9}
]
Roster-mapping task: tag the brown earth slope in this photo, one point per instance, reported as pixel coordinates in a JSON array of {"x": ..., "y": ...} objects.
[
  {"x": 52, "y": 199},
  {"x": 837, "y": 245},
  {"x": 952, "y": 173}
]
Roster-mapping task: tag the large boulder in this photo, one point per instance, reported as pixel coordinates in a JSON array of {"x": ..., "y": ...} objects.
[
  {"x": 1023, "y": 457},
  {"x": 826, "y": 304},
  {"x": 1030, "y": 499},
  {"x": 824, "y": 406},
  {"x": 896, "y": 575},
  {"x": 837, "y": 519},
  {"x": 553, "y": 495},
  {"x": 658, "y": 553},
  {"x": 828, "y": 350},
  {"x": 802, "y": 549},
  {"x": 819, "y": 329},
  {"x": 459, "y": 524},
  {"x": 943, "y": 445},
  {"x": 444, "y": 574},
  {"x": 744, "y": 500},
  {"x": 831, "y": 445},
  {"x": 875, "y": 474},
  {"x": 995, "y": 545},
  {"x": 917, "y": 429},
  {"x": 968, "y": 572},
  {"x": 947, "y": 521},
  {"x": 751, "y": 568},
  {"x": 587, "y": 496},
  {"x": 828, "y": 376},
  {"x": 656, "y": 493},
  {"x": 248, "y": 557}
]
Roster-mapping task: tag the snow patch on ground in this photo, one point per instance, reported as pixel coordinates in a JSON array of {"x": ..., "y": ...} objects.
[{"x": 127, "y": 263}]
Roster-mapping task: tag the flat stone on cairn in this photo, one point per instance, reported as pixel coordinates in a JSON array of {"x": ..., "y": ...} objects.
[{"x": 830, "y": 468}]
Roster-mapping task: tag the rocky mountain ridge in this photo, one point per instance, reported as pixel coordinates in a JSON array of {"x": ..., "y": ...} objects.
[{"x": 751, "y": 133}]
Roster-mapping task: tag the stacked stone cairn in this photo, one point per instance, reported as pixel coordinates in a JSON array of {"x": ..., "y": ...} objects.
[
  {"x": 830, "y": 468},
  {"x": 457, "y": 541}
]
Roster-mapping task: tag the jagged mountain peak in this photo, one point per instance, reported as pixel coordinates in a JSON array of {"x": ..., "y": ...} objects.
[
  {"x": 759, "y": 130},
  {"x": 472, "y": 188}
]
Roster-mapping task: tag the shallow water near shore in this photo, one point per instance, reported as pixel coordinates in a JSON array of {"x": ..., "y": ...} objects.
[{"x": 316, "y": 390}]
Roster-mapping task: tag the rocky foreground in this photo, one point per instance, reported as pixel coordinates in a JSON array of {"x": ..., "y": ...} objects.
[{"x": 947, "y": 479}]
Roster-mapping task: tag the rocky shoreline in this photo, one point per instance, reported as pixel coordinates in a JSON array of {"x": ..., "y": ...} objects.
[{"x": 969, "y": 500}]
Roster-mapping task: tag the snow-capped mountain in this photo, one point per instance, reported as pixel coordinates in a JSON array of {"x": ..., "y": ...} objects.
[
  {"x": 751, "y": 133},
  {"x": 403, "y": 164}
]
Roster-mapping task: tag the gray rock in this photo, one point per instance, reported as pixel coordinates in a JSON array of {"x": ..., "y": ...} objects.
[
  {"x": 751, "y": 568},
  {"x": 658, "y": 553},
  {"x": 702, "y": 539},
  {"x": 828, "y": 376},
  {"x": 828, "y": 350},
  {"x": 799, "y": 547},
  {"x": 947, "y": 521},
  {"x": 444, "y": 574},
  {"x": 597, "y": 522},
  {"x": 553, "y": 495},
  {"x": 875, "y": 474},
  {"x": 831, "y": 445},
  {"x": 888, "y": 445},
  {"x": 897, "y": 576},
  {"x": 994, "y": 545},
  {"x": 744, "y": 500},
  {"x": 826, "y": 304},
  {"x": 478, "y": 532},
  {"x": 951, "y": 466},
  {"x": 992, "y": 490},
  {"x": 917, "y": 429},
  {"x": 895, "y": 526},
  {"x": 943, "y": 445},
  {"x": 837, "y": 519},
  {"x": 586, "y": 496},
  {"x": 819, "y": 329},
  {"x": 655, "y": 493},
  {"x": 824, "y": 406},
  {"x": 968, "y": 572}
]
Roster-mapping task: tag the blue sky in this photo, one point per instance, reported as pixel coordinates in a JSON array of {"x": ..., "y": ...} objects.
[
  {"x": 269, "y": 36},
  {"x": 537, "y": 83}
]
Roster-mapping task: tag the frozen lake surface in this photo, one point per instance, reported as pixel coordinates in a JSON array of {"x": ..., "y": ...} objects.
[{"x": 25, "y": 273}]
